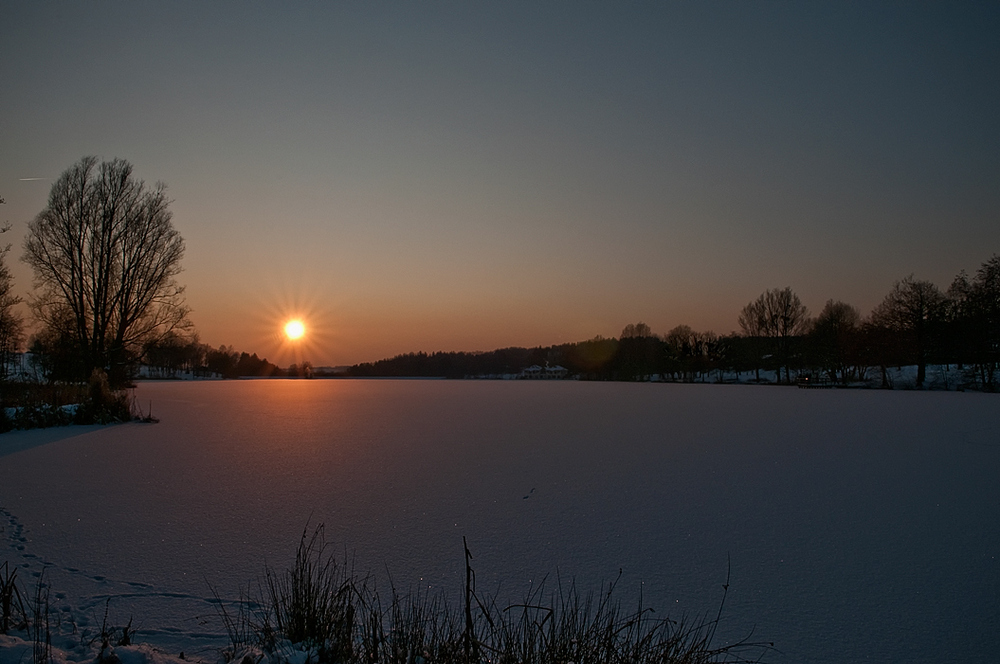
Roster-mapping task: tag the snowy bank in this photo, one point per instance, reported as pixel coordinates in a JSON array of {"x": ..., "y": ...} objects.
[{"x": 15, "y": 650}]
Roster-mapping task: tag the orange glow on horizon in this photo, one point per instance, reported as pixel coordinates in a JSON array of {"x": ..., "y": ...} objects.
[{"x": 290, "y": 324}]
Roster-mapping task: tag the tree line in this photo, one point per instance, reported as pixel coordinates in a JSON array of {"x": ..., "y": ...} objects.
[
  {"x": 916, "y": 324},
  {"x": 105, "y": 255}
]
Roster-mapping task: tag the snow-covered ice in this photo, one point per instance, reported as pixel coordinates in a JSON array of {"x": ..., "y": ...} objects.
[{"x": 860, "y": 524}]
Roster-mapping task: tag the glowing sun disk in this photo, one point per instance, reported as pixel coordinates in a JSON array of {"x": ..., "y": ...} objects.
[{"x": 294, "y": 329}]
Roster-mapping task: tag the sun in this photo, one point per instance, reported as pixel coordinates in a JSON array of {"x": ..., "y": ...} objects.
[{"x": 294, "y": 329}]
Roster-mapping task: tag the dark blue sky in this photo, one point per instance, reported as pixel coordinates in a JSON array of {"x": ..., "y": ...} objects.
[{"x": 448, "y": 176}]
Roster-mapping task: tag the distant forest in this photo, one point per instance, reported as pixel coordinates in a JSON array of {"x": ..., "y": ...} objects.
[
  {"x": 916, "y": 324},
  {"x": 173, "y": 354}
]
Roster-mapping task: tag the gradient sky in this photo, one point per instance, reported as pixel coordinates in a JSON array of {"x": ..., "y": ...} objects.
[{"x": 462, "y": 176}]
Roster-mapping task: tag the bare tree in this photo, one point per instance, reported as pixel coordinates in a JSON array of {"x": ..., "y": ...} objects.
[
  {"x": 975, "y": 320},
  {"x": 105, "y": 253},
  {"x": 835, "y": 337},
  {"x": 752, "y": 323},
  {"x": 638, "y": 355},
  {"x": 752, "y": 318},
  {"x": 779, "y": 314},
  {"x": 692, "y": 354},
  {"x": 636, "y": 331},
  {"x": 911, "y": 309},
  {"x": 11, "y": 325}
]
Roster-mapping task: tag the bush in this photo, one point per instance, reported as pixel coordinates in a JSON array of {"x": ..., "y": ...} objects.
[
  {"x": 41, "y": 415},
  {"x": 34, "y": 405},
  {"x": 104, "y": 405}
]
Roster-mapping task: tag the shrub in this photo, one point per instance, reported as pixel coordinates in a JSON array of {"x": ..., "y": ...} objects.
[
  {"x": 104, "y": 405},
  {"x": 35, "y": 405}
]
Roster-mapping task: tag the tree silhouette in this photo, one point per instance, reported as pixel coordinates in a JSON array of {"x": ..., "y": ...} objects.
[
  {"x": 639, "y": 353},
  {"x": 778, "y": 315},
  {"x": 105, "y": 254},
  {"x": 975, "y": 322},
  {"x": 173, "y": 352},
  {"x": 834, "y": 337},
  {"x": 911, "y": 310},
  {"x": 11, "y": 329},
  {"x": 636, "y": 331},
  {"x": 690, "y": 354}
]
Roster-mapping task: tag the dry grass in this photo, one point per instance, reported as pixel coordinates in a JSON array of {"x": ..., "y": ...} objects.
[
  {"x": 13, "y": 614},
  {"x": 321, "y": 606}
]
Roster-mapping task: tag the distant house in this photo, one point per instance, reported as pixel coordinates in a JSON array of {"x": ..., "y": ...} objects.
[{"x": 535, "y": 372}]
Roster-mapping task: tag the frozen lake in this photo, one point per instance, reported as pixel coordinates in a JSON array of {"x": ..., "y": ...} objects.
[{"x": 861, "y": 525}]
